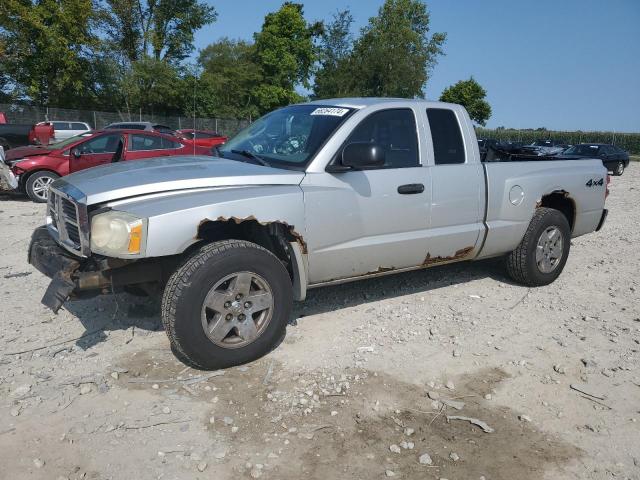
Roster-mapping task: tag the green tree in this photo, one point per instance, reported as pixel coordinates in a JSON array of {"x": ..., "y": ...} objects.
[
  {"x": 395, "y": 53},
  {"x": 471, "y": 96},
  {"x": 160, "y": 29},
  {"x": 336, "y": 42},
  {"x": 285, "y": 53},
  {"x": 229, "y": 75},
  {"x": 151, "y": 86},
  {"x": 47, "y": 51}
]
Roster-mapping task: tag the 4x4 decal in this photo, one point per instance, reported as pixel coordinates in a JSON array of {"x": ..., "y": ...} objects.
[{"x": 595, "y": 183}]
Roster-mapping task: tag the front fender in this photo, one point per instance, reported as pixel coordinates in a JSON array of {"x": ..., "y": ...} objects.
[{"x": 175, "y": 217}]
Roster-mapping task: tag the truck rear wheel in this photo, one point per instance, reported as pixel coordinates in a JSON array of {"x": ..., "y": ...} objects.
[
  {"x": 543, "y": 251},
  {"x": 228, "y": 304}
]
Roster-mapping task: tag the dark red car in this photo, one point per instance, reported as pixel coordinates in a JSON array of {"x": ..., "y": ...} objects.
[
  {"x": 203, "y": 138},
  {"x": 36, "y": 167}
]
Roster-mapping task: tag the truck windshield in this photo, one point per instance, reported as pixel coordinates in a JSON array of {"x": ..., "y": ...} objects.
[{"x": 288, "y": 137}]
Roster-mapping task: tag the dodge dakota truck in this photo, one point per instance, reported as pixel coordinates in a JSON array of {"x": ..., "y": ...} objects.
[{"x": 309, "y": 195}]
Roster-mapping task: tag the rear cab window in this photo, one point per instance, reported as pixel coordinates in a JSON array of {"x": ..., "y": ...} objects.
[{"x": 448, "y": 146}]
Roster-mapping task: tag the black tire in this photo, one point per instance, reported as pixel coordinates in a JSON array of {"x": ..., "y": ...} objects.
[
  {"x": 618, "y": 169},
  {"x": 189, "y": 285},
  {"x": 34, "y": 182},
  {"x": 521, "y": 263}
]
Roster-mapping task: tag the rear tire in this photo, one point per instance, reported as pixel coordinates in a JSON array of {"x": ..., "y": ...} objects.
[
  {"x": 228, "y": 304},
  {"x": 543, "y": 251},
  {"x": 618, "y": 169},
  {"x": 37, "y": 185}
]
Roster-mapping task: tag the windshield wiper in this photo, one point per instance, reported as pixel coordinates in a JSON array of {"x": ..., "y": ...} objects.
[{"x": 252, "y": 156}]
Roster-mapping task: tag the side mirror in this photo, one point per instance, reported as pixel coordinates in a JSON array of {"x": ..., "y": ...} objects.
[
  {"x": 75, "y": 153},
  {"x": 363, "y": 155}
]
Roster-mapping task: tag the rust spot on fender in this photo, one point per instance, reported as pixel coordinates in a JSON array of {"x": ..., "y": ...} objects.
[
  {"x": 251, "y": 218},
  {"x": 459, "y": 255}
]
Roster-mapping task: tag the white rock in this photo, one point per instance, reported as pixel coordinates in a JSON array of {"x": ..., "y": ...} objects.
[
  {"x": 454, "y": 456},
  {"x": 38, "y": 462},
  {"x": 525, "y": 418},
  {"x": 394, "y": 448},
  {"x": 425, "y": 459},
  {"x": 334, "y": 413},
  {"x": 202, "y": 466},
  {"x": 166, "y": 410},
  {"x": 409, "y": 431},
  {"x": 390, "y": 473},
  {"x": 115, "y": 375},
  {"x": 21, "y": 390},
  {"x": 487, "y": 396},
  {"x": 450, "y": 385},
  {"x": 227, "y": 420},
  {"x": 84, "y": 389}
]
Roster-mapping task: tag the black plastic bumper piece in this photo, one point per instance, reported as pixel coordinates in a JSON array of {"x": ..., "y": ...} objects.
[
  {"x": 603, "y": 218},
  {"x": 52, "y": 260}
]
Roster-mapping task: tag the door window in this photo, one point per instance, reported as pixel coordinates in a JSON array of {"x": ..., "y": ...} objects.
[
  {"x": 170, "y": 144},
  {"x": 140, "y": 142},
  {"x": 78, "y": 126},
  {"x": 102, "y": 144},
  {"x": 395, "y": 131},
  {"x": 61, "y": 126},
  {"x": 448, "y": 147}
]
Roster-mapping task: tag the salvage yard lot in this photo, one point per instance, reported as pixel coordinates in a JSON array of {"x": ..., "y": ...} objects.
[{"x": 362, "y": 386}]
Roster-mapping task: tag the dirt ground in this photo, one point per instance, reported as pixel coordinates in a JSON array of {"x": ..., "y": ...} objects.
[{"x": 364, "y": 385}]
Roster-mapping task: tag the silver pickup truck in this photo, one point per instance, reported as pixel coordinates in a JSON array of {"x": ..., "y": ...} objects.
[{"x": 309, "y": 195}]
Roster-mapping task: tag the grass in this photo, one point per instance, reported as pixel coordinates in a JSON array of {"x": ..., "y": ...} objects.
[{"x": 634, "y": 158}]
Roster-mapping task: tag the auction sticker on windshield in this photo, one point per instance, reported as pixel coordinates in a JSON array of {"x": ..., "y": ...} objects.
[{"x": 335, "y": 112}]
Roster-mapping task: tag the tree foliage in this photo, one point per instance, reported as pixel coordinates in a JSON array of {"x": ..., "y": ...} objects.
[
  {"x": 46, "y": 52},
  {"x": 336, "y": 42},
  {"x": 159, "y": 29},
  {"x": 393, "y": 56},
  {"x": 285, "y": 53},
  {"x": 470, "y": 95},
  {"x": 229, "y": 74}
]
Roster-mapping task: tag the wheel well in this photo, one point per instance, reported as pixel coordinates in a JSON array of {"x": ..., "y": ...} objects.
[
  {"x": 274, "y": 236},
  {"x": 562, "y": 202}
]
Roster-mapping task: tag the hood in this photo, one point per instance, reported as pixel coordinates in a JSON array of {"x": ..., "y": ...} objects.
[
  {"x": 143, "y": 177},
  {"x": 27, "y": 151}
]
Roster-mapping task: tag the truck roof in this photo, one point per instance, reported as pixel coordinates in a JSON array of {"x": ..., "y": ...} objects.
[{"x": 362, "y": 102}]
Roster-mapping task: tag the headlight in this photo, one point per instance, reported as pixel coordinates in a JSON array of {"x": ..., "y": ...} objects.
[{"x": 117, "y": 234}]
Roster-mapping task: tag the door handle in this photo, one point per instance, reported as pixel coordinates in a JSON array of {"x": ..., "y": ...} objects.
[{"x": 410, "y": 188}]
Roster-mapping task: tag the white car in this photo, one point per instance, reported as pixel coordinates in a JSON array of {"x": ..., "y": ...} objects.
[{"x": 64, "y": 130}]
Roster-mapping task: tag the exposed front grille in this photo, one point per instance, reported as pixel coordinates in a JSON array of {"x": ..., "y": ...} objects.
[{"x": 66, "y": 221}]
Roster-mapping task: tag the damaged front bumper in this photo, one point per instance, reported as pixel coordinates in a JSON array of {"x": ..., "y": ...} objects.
[
  {"x": 72, "y": 275},
  {"x": 8, "y": 176}
]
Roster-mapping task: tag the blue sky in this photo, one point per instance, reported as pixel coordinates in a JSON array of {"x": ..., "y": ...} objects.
[{"x": 560, "y": 64}]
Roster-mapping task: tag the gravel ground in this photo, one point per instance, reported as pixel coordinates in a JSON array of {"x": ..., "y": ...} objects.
[{"x": 367, "y": 383}]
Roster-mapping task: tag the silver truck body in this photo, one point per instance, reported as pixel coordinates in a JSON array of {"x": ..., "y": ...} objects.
[{"x": 346, "y": 225}]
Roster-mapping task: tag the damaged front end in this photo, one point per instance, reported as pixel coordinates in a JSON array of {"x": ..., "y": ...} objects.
[{"x": 73, "y": 276}]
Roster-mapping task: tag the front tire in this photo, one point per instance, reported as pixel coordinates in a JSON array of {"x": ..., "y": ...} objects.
[
  {"x": 542, "y": 254},
  {"x": 228, "y": 304},
  {"x": 37, "y": 185}
]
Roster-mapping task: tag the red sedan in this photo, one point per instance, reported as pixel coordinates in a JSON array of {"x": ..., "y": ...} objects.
[
  {"x": 203, "y": 138},
  {"x": 35, "y": 168}
]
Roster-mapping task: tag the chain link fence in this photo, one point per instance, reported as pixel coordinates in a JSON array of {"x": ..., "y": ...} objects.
[{"x": 17, "y": 113}]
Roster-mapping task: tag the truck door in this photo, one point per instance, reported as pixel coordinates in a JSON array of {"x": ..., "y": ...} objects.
[
  {"x": 95, "y": 151},
  {"x": 372, "y": 220},
  {"x": 457, "y": 189}
]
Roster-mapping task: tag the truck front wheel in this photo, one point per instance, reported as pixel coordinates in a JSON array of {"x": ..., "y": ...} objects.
[
  {"x": 543, "y": 251},
  {"x": 228, "y": 304}
]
